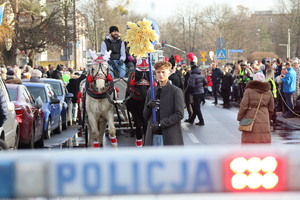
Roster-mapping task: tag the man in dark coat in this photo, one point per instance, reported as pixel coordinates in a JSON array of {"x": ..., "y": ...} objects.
[
  {"x": 216, "y": 76},
  {"x": 73, "y": 87},
  {"x": 57, "y": 74},
  {"x": 197, "y": 84},
  {"x": 227, "y": 81},
  {"x": 169, "y": 105},
  {"x": 187, "y": 93},
  {"x": 174, "y": 77}
]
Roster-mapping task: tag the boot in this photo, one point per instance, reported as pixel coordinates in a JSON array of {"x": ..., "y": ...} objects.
[{"x": 139, "y": 143}]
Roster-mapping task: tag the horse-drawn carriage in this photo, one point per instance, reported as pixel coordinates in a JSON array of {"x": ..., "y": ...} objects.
[{"x": 108, "y": 109}]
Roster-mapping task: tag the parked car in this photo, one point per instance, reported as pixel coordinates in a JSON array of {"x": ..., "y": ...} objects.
[
  {"x": 29, "y": 115},
  {"x": 51, "y": 106},
  {"x": 63, "y": 95},
  {"x": 9, "y": 132}
]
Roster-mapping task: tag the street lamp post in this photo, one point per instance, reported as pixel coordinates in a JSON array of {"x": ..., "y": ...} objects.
[
  {"x": 258, "y": 35},
  {"x": 288, "y": 45},
  {"x": 96, "y": 33}
]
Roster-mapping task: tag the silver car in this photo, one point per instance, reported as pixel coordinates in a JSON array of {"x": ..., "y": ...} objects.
[{"x": 9, "y": 132}]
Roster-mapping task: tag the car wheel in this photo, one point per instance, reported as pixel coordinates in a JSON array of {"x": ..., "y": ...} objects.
[
  {"x": 30, "y": 145},
  {"x": 59, "y": 128},
  {"x": 16, "y": 145},
  {"x": 3, "y": 145},
  {"x": 48, "y": 131}
]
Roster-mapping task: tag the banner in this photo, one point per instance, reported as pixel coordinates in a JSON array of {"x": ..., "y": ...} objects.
[{"x": 2, "y": 12}]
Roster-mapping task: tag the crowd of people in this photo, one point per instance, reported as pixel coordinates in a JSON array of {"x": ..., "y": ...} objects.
[
  {"x": 71, "y": 79},
  {"x": 229, "y": 82}
]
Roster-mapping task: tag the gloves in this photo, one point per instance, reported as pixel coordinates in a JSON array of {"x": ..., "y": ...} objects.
[
  {"x": 154, "y": 103},
  {"x": 156, "y": 129},
  {"x": 121, "y": 62},
  {"x": 110, "y": 62}
]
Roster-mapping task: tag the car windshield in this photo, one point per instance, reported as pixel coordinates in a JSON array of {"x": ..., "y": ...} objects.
[
  {"x": 56, "y": 86},
  {"x": 13, "y": 94},
  {"x": 38, "y": 92}
]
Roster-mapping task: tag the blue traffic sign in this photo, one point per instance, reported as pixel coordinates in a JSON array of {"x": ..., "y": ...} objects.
[
  {"x": 221, "y": 54},
  {"x": 235, "y": 50}
]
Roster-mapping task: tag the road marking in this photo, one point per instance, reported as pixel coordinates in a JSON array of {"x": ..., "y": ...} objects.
[
  {"x": 184, "y": 127},
  {"x": 193, "y": 138}
]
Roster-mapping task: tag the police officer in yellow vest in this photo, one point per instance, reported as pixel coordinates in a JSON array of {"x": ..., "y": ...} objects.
[
  {"x": 270, "y": 78},
  {"x": 244, "y": 78}
]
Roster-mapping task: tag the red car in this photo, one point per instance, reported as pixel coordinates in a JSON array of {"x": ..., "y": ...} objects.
[{"x": 29, "y": 115}]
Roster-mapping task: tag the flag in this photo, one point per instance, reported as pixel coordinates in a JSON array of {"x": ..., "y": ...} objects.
[{"x": 2, "y": 12}]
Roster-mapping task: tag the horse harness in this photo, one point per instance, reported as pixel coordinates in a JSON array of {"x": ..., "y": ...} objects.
[
  {"x": 137, "y": 78},
  {"x": 109, "y": 83}
]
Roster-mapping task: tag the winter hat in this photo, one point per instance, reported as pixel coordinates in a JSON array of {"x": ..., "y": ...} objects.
[
  {"x": 59, "y": 67},
  {"x": 113, "y": 28},
  {"x": 295, "y": 61},
  {"x": 259, "y": 77},
  {"x": 10, "y": 73},
  {"x": 36, "y": 73}
]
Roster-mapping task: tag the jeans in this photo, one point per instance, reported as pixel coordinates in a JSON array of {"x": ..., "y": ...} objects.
[
  {"x": 289, "y": 102},
  {"x": 117, "y": 68},
  {"x": 158, "y": 140},
  {"x": 74, "y": 111}
]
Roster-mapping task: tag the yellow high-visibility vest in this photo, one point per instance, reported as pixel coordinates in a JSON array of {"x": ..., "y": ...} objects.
[
  {"x": 274, "y": 90},
  {"x": 241, "y": 73}
]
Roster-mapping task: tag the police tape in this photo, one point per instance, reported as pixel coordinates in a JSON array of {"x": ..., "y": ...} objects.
[{"x": 168, "y": 170}]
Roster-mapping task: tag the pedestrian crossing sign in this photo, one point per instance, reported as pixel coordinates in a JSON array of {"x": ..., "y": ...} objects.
[{"x": 221, "y": 54}]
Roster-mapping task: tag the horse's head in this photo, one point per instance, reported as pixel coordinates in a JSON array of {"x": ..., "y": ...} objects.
[{"x": 98, "y": 77}]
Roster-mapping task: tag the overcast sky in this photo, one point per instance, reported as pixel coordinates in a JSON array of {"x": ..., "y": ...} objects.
[{"x": 162, "y": 9}]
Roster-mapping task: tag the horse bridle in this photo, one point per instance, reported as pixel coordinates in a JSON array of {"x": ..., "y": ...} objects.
[
  {"x": 143, "y": 80},
  {"x": 100, "y": 75}
]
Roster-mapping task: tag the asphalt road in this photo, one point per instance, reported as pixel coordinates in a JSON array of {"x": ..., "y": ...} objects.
[{"x": 220, "y": 128}]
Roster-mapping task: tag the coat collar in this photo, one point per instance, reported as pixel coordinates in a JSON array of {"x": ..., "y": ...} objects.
[{"x": 258, "y": 85}]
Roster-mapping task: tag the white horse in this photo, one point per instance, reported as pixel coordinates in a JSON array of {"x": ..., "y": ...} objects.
[{"x": 99, "y": 107}]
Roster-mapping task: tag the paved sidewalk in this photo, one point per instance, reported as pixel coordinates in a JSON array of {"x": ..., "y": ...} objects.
[{"x": 295, "y": 121}]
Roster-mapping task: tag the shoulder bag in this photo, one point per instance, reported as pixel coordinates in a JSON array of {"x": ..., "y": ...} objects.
[{"x": 247, "y": 124}]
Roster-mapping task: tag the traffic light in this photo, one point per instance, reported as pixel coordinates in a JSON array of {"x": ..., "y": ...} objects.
[{"x": 163, "y": 43}]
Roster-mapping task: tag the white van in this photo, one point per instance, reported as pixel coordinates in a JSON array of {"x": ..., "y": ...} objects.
[{"x": 9, "y": 132}]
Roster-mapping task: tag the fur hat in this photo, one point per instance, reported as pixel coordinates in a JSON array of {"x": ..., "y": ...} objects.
[
  {"x": 36, "y": 73},
  {"x": 113, "y": 28},
  {"x": 259, "y": 77},
  {"x": 295, "y": 61}
]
